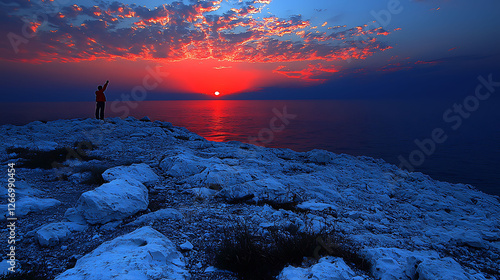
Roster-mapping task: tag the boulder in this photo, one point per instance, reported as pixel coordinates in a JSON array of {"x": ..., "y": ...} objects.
[
  {"x": 391, "y": 263},
  {"x": 182, "y": 165},
  {"x": 140, "y": 172},
  {"x": 54, "y": 233},
  {"x": 395, "y": 264},
  {"x": 470, "y": 238},
  {"x": 168, "y": 213},
  {"x": 312, "y": 205},
  {"x": 269, "y": 190},
  {"x": 29, "y": 204},
  {"x": 24, "y": 189},
  {"x": 39, "y": 145},
  {"x": 328, "y": 268},
  {"x": 441, "y": 269},
  {"x": 216, "y": 176},
  {"x": 110, "y": 202},
  {"x": 186, "y": 246},
  {"x": 144, "y": 254}
]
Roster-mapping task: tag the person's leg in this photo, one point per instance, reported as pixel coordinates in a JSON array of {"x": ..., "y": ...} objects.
[
  {"x": 97, "y": 110},
  {"x": 103, "y": 104}
]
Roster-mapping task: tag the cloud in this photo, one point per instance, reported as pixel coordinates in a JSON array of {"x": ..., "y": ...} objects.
[
  {"x": 408, "y": 64},
  {"x": 178, "y": 31},
  {"x": 223, "y": 67},
  {"x": 313, "y": 72}
]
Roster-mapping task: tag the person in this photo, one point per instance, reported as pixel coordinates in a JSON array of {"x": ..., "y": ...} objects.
[{"x": 100, "y": 100}]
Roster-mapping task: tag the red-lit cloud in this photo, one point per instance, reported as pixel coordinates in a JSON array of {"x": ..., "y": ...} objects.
[
  {"x": 313, "y": 73},
  {"x": 184, "y": 32}
]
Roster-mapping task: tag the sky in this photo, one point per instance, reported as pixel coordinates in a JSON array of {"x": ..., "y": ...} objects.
[{"x": 56, "y": 50}]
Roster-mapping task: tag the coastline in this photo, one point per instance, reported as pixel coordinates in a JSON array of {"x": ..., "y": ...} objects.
[
  {"x": 387, "y": 212},
  {"x": 469, "y": 156}
]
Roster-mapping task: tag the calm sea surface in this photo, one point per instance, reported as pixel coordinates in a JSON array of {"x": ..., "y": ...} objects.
[{"x": 379, "y": 129}]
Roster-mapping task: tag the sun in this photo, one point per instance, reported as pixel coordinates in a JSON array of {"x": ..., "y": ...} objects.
[{"x": 217, "y": 93}]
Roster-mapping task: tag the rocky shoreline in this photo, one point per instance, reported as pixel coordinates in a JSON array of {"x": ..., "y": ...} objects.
[{"x": 135, "y": 199}]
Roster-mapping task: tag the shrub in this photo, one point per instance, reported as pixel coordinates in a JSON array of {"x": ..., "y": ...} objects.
[
  {"x": 84, "y": 145},
  {"x": 256, "y": 257},
  {"x": 50, "y": 159},
  {"x": 182, "y": 137},
  {"x": 95, "y": 174}
]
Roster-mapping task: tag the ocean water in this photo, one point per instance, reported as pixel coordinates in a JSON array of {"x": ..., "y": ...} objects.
[{"x": 381, "y": 129}]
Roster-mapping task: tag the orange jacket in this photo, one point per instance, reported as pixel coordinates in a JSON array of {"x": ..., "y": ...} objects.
[{"x": 99, "y": 94}]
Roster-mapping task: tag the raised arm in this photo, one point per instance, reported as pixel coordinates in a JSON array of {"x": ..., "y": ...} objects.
[{"x": 105, "y": 86}]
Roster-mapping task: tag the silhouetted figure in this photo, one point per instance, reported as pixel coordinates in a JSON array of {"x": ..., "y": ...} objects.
[{"x": 100, "y": 100}]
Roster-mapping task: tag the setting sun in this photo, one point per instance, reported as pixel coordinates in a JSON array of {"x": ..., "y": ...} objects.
[{"x": 217, "y": 93}]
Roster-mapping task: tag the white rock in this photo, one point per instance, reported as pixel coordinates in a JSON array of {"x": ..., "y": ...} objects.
[
  {"x": 294, "y": 273},
  {"x": 218, "y": 175},
  {"x": 268, "y": 189},
  {"x": 315, "y": 206},
  {"x": 130, "y": 119},
  {"x": 413, "y": 208},
  {"x": 138, "y": 135},
  {"x": 29, "y": 204},
  {"x": 25, "y": 189},
  {"x": 4, "y": 267},
  {"x": 140, "y": 172},
  {"x": 319, "y": 156},
  {"x": 354, "y": 215},
  {"x": 45, "y": 145},
  {"x": 204, "y": 193},
  {"x": 51, "y": 234},
  {"x": 110, "y": 226},
  {"x": 393, "y": 264},
  {"x": 115, "y": 146},
  {"x": 266, "y": 225},
  {"x": 168, "y": 213},
  {"x": 211, "y": 269},
  {"x": 328, "y": 268},
  {"x": 144, "y": 254},
  {"x": 186, "y": 246},
  {"x": 182, "y": 165},
  {"x": 73, "y": 215},
  {"x": 110, "y": 202},
  {"x": 470, "y": 238},
  {"x": 441, "y": 269},
  {"x": 39, "y": 145}
]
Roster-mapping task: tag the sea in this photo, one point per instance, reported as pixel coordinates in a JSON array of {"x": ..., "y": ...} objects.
[{"x": 431, "y": 136}]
